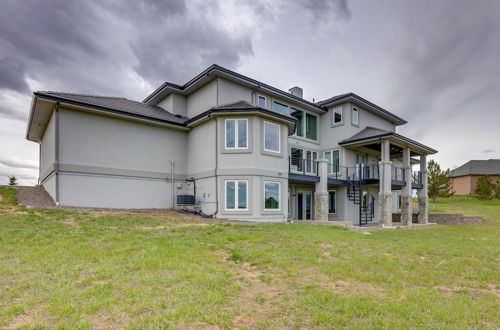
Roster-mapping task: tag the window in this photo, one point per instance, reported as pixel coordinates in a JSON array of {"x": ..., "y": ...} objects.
[
  {"x": 354, "y": 116},
  {"x": 237, "y": 195},
  {"x": 279, "y": 107},
  {"x": 236, "y": 133},
  {"x": 332, "y": 201},
  {"x": 337, "y": 115},
  {"x": 299, "y": 115},
  {"x": 333, "y": 158},
  {"x": 311, "y": 157},
  {"x": 272, "y": 195},
  {"x": 262, "y": 102},
  {"x": 311, "y": 126},
  {"x": 272, "y": 133}
]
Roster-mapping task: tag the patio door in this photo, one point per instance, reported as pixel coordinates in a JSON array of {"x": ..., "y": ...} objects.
[
  {"x": 304, "y": 205},
  {"x": 361, "y": 159}
]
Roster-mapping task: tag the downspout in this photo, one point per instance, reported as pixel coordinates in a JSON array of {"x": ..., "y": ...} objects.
[
  {"x": 57, "y": 153},
  {"x": 172, "y": 163},
  {"x": 216, "y": 168}
]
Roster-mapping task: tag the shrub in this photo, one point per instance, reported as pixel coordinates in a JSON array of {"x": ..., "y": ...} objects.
[
  {"x": 485, "y": 187},
  {"x": 12, "y": 180}
]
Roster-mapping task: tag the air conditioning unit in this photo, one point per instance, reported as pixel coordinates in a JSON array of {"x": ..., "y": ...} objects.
[{"x": 186, "y": 200}]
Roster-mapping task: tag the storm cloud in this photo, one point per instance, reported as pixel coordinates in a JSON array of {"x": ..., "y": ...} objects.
[{"x": 434, "y": 64}]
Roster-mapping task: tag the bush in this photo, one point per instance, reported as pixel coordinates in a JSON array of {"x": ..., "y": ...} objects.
[
  {"x": 497, "y": 189},
  {"x": 485, "y": 188},
  {"x": 12, "y": 180}
]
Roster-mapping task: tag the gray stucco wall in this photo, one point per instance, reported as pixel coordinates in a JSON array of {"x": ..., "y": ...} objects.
[
  {"x": 48, "y": 148},
  {"x": 109, "y": 162},
  {"x": 202, "y": 100}
]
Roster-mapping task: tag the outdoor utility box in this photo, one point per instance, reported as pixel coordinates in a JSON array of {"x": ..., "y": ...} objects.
[{"x": 185, "y": 200}]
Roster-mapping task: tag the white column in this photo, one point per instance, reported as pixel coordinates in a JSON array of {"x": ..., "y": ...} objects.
[
  {"x": 423, "y": 199},
  {"x": 406, "y": 200},
  {"x": 321, "y": 193},
  {"x": 385, "y": 192}
]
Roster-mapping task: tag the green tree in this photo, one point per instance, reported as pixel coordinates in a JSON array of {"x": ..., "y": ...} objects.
[
  {"x": 439, "y": 181},
  {"x": 12, "y": 180},
  {"x": 497, "y": 189},
  {"x": 485, "y": 187}
]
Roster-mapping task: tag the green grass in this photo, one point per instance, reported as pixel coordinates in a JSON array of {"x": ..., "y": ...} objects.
[
  {"x": 61, "y": 269},
  {"x": 467, "y": 206}
]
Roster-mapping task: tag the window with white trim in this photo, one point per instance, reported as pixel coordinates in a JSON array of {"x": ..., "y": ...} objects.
[
  {"x": 333, "y": 158},
  {"x": 272, "y": 137},
  {"x": 332, "y": 202},
  {"x": 236, "y": 195},
  {"x": 236, "y": 133},
  {"x": 337, "y": 115},
  {"x": 272, "y": 195},
  {"x": 262, "y": 102},
  {"x": 355, "y": 116}
]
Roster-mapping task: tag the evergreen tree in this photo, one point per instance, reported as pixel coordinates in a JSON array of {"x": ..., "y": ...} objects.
[
  {"x": 439, "y": 181},
  {"x": 12, "y": 180},
  {"x": 497, "y": 189},
  {"x": 485, "y": 187}
]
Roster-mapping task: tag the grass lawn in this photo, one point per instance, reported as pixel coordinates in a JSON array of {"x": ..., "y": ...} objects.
[{"x": 76, "y": 269}]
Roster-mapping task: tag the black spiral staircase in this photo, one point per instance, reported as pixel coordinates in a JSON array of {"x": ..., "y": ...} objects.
[{"x": 366, "y": 207}]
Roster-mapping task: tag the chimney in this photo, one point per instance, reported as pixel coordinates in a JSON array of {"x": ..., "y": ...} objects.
[{"x": 297, "y": 91}]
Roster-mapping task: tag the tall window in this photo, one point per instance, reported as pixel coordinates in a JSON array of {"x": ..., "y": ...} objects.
[
  {"x": 299, "y": 114},
  {"x": 272, "y": 133},
  {"x": 272, "y": 191},
  {"x": 236, "y": 133},
  {"x": 355, "y": 116},
  {"x": 332, "y": 201},
  {"x": 236, "y": 195},
  {"x": 280, "y": 107},
  {"x": 307, "y": 124},
  {"x": 337, "y": 115},
  {"x": 333, "y": 158},
  {"x": 311, "y": 157},
  {"x": 311, "y": 126},
  {"x": 262, "y": 102}
]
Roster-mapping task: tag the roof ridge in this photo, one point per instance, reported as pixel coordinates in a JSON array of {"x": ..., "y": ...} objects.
[{"x": 82, "y": 94}]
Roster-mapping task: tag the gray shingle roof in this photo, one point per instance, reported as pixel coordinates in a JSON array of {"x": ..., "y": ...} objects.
[
  {"x": 478, "y": 167},
  {"x": 367, "y": 133},
  {"x": 118, "y": 104}
]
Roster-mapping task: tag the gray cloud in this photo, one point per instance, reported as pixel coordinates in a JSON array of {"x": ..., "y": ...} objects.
[
  {"x": 487, "y": 151},
  {"x": 12, "y": 113},
  {"x": 324, "y": 9}
]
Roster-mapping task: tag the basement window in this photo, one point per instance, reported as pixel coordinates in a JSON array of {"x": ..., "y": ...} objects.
[{"x": 236, "y": 195}]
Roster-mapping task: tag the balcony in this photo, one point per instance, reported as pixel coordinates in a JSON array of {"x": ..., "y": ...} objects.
[{"x": 306, "y": 170}]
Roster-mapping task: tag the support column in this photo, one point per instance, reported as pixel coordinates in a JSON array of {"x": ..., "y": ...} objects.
[
  {"x": 423, "y": 199},
  {"x": 385, "y": 192},
  {"x": 321, "y": 193},
  {"x": 406, "y": 194}
]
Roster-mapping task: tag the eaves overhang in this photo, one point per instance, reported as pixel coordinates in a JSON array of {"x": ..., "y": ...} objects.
[
  {"x": 205, "y": 116},
  {"x": 217, "y": 71},
  {"x": 394, "y": 137},
  {"x": 356, "y": 99},
  {"x": 38, "y": 119}
]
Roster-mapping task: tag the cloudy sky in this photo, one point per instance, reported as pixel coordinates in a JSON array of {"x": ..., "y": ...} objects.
[{"x": 435, "y": 63}]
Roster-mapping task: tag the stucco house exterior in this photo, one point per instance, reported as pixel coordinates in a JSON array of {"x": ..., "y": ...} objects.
[
  {"x": 230, "y": 147},
  {"x": 464, "y": 178}
]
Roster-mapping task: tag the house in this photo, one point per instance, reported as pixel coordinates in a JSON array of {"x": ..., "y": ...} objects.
[
  {"x": 464, "y": 178},
  {"x": 230, "y": 147}
]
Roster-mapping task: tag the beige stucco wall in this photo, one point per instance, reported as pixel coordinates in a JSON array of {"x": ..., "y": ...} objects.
[{"x": 466, "y": 185}]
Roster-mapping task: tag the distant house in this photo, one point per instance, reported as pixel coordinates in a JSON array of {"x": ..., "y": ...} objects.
[{"x": 464, "y": 178}]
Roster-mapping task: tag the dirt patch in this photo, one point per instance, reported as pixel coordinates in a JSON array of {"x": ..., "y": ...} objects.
[
  {"x": 29, "y": 317},
  {"x": 258, "y": 299},
  {"x": 71, "y": 221},
  {"x": 447, "y": 290},
  {"x": 351, "y": 288},
  {"x": 199, "y": 326},
  {"x": 1, "y": 198},
  {"x": 494, "y": 288},
  {"x": 104, "y": 321},
  {"x": 12, "y": 210}
]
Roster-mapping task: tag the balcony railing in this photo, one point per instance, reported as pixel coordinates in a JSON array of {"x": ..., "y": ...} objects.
[
  {"x": 304, "y": 166},
  {"x": 353, "y": 173}
]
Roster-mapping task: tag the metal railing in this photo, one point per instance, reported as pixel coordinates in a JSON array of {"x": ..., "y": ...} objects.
[
  {"x": 398, "y": 173},
  {"x": 304, "y": 166},
  {"x": 417, "y": 177}
]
